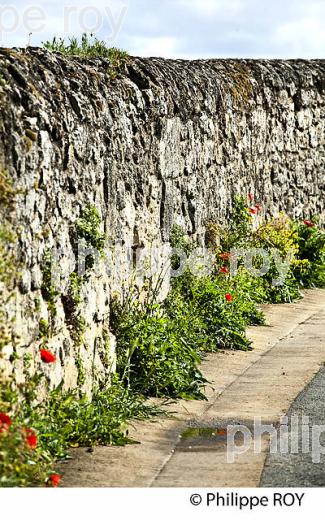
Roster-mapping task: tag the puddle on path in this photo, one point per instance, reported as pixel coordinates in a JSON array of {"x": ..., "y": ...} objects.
[
  {"x": 207, "y": 438},
  {"x": 199, "y": 439}
]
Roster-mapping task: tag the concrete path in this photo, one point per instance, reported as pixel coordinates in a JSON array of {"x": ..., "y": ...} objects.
[{"x": 262, "y": 383}]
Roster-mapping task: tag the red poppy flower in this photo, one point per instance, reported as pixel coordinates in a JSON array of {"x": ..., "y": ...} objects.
[
  {"x": 309, "y": 223},
  {"x": 253, "y": 210},
  {"x": 258, "y": 207},
  {"x": 54, "y": 480},
  {"x": 47, "y": 356},
  {"x": 250, "y": 196},
  {"x": 224, "y": 270},
  {"x": 228, "y": 297},
  {"x": 31, "y": 438},
  {"x": 224, "y": 256},
  {"x": 5, "y": 422}
]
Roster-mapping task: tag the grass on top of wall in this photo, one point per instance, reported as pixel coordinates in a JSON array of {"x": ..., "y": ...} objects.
[{"x": 90, "y": 47}]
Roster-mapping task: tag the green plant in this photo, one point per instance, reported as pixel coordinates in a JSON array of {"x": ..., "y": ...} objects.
[
  {"x": 77, "y": 329},
  {"x": 75, "y": 286},
  {"x": 278, "y": 235},
  {"x": 78, "y": 421},
  {"x": 159, "y": 345},
  {"x": 178, "y": 239},
  {"x": 7, "y": 191},
  {"x": 90, "y": 47},
  {"x": 43, "y": 327},
  {"x": 8, "y": 261},
  {"x": 238, "y": 230},
  {"x": 87, "y": 228},
  {"x": 154, "y": 354},
  {"x": 71, "y": 302},
  {"x": 81, "y": 371},
  {"x": 49, "y": 292},
  {"x": 61, "y": 421},
  {"x": 309, "y": 268},
  {"x": 19, "y": 464},
  {"x": 181, "y": 243},
  {"x": 222, "y": 321}
]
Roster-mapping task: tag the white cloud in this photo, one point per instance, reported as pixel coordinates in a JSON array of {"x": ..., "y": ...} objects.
[
  {"x": 193, "y": 28},
  {"x": 155, "y": 46},
  {"x": 304, "y": 37},
  {"x": 206, "y": 8}
]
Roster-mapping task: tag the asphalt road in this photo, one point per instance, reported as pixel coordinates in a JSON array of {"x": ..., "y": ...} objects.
[{"x": 301, "y": 469}]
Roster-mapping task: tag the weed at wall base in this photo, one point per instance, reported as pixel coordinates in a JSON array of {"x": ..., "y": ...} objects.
[{"x": 159, "y": 345}]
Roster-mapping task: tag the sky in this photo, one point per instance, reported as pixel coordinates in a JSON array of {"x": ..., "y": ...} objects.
[{"x": 187, "y": 29}]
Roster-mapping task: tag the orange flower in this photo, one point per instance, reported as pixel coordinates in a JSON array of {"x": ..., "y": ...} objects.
[
  {"x": 252, "y": 210},
  {"x": 224, "y": 270}
]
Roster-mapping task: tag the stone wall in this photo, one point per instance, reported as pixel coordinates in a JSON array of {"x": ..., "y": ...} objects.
[{"x": 166, "y": 142}]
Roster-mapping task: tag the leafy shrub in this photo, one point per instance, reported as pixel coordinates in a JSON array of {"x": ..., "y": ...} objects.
[
  {"x": 238, "y": 229},
  {"x": 223, "y": 321},
  {"x": 156, "y": 354},
  {"x": 250, "y": 289},
  {"x": 159, "y": 346},
  {"x": 61, "y": 421},
  {"x": 20, "y": 465},
  {"x": 309, "y": 268},
  {"x": 273, "y": 236},
  {"x": 73, "y": 420},
  {"x": 279, "y": 235}
]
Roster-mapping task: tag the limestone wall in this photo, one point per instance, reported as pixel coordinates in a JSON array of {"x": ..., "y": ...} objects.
[{"x": 167, "y": 141}]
